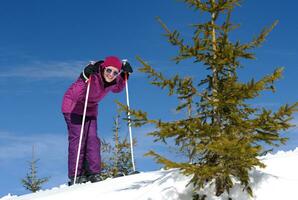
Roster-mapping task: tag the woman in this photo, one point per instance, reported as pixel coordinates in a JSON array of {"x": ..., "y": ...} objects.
[{"x": 108, "y": 75}]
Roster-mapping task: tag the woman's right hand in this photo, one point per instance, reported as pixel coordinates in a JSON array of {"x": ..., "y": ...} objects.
[{"x": 92, "y": 68}]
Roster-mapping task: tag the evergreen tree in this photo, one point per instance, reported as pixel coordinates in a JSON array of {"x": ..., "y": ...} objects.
[
  {"x": 117, "y": 157},
  {"x": 106, "y": 149},
  {"x": 31, "y": 181},
  {"x": 225, "y": 135}
]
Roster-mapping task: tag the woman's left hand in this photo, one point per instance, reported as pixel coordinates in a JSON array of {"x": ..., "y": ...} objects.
[{"x": 126, "y": 67}]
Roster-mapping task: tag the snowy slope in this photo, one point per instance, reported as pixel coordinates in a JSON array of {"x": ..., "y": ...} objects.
[{"x": 278, "y": 181}]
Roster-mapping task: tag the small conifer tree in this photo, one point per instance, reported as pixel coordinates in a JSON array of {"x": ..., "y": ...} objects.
[
  {"x": 31, "y": 181},
  {"x": 224, "y": 135},
  {"x": 117, "y": 156}
]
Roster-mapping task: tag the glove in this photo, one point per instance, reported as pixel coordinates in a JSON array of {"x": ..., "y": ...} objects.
[
  {"x": 126, "y": 67},
  {"x": 92, "y": 68}
]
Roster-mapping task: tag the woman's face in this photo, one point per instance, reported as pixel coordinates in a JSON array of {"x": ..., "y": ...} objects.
[{"x": 110, "y": 73}]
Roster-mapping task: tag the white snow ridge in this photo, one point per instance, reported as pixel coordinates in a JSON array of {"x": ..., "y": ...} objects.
[{"x": 279, "y": 181}]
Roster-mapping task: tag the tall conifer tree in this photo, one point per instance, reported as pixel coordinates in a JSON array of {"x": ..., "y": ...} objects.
[{"x": 225, "y": 135}]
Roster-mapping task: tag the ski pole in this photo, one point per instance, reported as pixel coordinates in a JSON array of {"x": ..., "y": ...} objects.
[
  {"x": 82, "y": 130},
  {"x": 129, "y": 125}
]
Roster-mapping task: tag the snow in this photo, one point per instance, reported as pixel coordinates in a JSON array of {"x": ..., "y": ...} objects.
[{"x": 279, "y": 180}]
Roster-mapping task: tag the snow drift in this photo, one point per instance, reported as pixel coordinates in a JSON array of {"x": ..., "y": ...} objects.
[{"x": 279, "y": 180}]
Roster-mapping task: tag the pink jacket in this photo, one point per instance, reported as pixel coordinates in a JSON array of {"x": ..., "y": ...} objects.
[{"x": 74, "y": 97}]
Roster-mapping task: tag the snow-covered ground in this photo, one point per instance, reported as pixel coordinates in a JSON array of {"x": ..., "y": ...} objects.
[{"x": 279, "y": 181}]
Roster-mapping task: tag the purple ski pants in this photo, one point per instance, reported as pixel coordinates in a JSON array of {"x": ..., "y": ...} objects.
[{"x": 90, "y": 159}]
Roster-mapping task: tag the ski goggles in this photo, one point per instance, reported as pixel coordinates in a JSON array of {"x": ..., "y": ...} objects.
[{"x": 115, "y": 73}]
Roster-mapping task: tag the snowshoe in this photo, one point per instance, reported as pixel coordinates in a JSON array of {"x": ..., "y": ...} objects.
[
  {"x": 119, "y": 175},
  {"x": 95, "y": 178},
  {"x": 79, "y": 180},
  {"x": 134, "y": 172}
]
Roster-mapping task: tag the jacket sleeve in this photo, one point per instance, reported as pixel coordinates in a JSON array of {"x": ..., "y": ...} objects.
[
  {"x": 79, "y": 90},
  {"x": 73, "y": 96},
  {"x": 120, "y": 84}
]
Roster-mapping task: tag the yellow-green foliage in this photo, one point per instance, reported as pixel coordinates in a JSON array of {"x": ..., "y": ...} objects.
[{"x": 223, "y": 134}]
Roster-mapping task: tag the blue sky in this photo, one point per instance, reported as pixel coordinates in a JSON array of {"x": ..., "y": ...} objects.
[{"x": 45, "y": 44}]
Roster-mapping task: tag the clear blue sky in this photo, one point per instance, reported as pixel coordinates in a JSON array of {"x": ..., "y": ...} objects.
[{"x": 45, "y": 44}]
